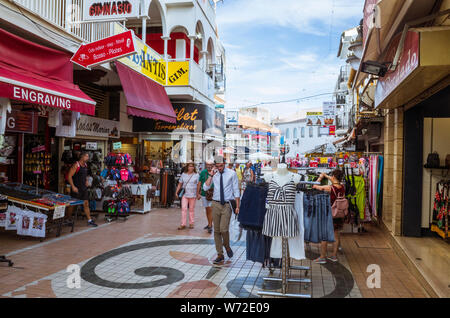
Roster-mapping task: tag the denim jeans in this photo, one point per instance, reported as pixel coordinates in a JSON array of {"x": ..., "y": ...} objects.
[{"x": 318, "y": 220}]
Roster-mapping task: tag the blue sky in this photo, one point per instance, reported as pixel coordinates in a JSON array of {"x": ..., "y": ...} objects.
[{"x": 283, "y": 49}]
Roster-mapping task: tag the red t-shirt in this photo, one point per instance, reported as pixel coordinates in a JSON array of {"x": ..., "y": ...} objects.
[{"x": 336, "y": 192}]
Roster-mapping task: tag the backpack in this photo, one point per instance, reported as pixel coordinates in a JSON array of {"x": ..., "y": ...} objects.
[
  {"x": 339, "y": 208},
  {"x": 433, "y": 160}
]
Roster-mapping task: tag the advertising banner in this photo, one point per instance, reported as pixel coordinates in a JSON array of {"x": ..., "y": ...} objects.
[
  {"x": 146, "y": 61},
  {"x": 93, "y": 126},
  {"x": 232, "y": 117},
  {"x": 314, "y": 119},
  {"x": 178, "y": 73},
  {"x": 187, "y": 114},
  {"x": 329, "y": 113},
  {"x": 95, "y": 10}
]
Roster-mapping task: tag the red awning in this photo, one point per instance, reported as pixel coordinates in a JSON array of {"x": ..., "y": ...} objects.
[
  {"x": 37, "y": 74},
  {"x": 145, "y": 98}
]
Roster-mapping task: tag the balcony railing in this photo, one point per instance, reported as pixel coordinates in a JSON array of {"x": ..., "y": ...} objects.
[
  {"x": 67, "y": 15},
  {"x": 201, "y": 81}
]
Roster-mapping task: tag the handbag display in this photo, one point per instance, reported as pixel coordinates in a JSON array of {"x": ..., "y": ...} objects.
[{"x": 433, "y": 160}]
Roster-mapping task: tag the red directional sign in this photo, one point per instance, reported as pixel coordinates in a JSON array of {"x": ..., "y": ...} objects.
[{"x": 107, "y": 49}]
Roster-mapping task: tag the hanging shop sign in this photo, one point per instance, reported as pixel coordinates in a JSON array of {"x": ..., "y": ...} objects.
[
  {"x": 145, "y": 61},
  {"x": 332, "y": 130},
  {"x": 329, "y": 113},
  {"x": 314, "y": 119},
  {"x": 178, "y": 73},
  {"x": 110, "y": 10},
  {"x": 232, "y": 117},
  {"x": 187, "y": 115},
  {"x": 117, "y": 145},
  {"x": 59, "y": 212},
  {"x": 409, "y": 61},
  {"x": 93, "y": 126},
  {"x": 368, "y": 21},
  {"x": 107, "y": 49},
  {"x": 22, "y": 122}
]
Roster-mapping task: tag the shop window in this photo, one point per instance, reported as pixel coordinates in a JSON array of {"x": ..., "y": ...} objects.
[
  {"x": 303, "y": 132},
  {"x": 287, "y": 134},
  {"x": 311, "y": 133},
  {"x": 295, "y": 133}
]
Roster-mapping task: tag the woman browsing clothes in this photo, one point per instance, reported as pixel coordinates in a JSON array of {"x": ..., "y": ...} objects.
[
  {"x": 189, "y": 184},
  {"x": 336, "y": 189}
]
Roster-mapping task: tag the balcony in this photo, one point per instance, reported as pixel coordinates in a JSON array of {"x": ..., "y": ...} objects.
[{"x": 67, "y": 16}]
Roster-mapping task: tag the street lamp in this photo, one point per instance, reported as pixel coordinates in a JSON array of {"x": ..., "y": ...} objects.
[{"x": 374, "y": 68}]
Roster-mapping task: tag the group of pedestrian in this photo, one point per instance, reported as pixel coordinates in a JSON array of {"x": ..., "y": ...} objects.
[{"x": 223, "y": 182}]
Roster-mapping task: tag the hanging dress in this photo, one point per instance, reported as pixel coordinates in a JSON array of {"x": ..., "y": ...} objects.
[{"x": 281, "y": 218}]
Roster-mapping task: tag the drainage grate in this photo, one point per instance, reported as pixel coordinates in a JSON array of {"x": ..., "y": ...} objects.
[{"x": 375, "y": 247}]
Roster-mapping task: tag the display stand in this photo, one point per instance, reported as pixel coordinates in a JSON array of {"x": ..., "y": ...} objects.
[
  {"x": 142, "y": 190},
  {"x": 286, "y": 267}
]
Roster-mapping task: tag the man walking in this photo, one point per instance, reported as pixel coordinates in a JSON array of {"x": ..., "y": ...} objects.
[
  {"x": 226, "y": 188},
  {"x": 77, "y": 178}
]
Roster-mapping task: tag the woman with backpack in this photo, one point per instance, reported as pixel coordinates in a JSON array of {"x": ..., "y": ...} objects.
[
  {"x": 188, "y": 189},
  {"x": 339, "y": 207}
]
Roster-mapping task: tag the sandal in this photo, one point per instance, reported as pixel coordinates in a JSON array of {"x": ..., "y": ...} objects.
[
  {"x": 320, "y": 260},
  {"x": 182, "y": 227},
  {"x": 333, "y": 259}
]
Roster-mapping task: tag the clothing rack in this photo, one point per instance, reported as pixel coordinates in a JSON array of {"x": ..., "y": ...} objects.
[{"x": 286, "y": 267}]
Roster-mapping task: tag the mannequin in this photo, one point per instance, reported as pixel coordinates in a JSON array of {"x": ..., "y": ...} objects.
[{"x": 282, "y": 175}]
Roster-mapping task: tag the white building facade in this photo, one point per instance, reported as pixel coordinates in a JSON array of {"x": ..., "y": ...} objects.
[{"x": 300, "y": 138}]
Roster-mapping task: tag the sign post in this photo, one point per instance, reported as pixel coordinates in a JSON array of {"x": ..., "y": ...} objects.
[{"x": 107, "y": 49}]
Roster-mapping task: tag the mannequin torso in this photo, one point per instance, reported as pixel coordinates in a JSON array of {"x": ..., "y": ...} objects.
[{"x": 282, "y": 175}]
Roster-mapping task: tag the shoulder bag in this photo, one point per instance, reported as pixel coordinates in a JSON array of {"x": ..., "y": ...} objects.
[{"x": 183, "y": 189}]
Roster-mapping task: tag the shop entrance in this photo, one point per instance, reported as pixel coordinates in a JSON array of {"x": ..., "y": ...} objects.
[{"x": 426, "y": 131}]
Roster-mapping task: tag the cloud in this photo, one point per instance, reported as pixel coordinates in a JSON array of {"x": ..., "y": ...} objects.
[{"x": 307, "y": 16}]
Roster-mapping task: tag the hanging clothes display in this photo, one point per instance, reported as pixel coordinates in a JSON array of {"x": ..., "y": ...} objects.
[
  {"x": 379, "y": 201},
  {"x": 251, "y": 217},
  {"x": 318, "y": 219},
  {"x": 373, "y": 183},
  {"x": 296, "y": 244},
  {"x": 281, "y": 218}
]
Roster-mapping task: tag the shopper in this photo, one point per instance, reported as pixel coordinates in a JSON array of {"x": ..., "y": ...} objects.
[
  {"x": 204, "y": 175},
  {"x": 226, "y": 188},
  {"x": 77, "y": 178},
  {"x": 335, "y": 189},
  {"x": 248, "y": 176},
  {"x": 189, "y": 182}
]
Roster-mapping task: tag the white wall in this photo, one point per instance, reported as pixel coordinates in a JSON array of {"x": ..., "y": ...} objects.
[{"x": 436, "y": 137}]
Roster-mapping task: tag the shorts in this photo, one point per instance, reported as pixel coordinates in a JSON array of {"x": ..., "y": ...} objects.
[
  {"x": 206, "y": 203},
  {"x": 81, "y": 195},
  {"x": 338, "y": 224}
]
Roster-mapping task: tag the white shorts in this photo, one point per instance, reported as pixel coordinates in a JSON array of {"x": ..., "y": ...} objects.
[{"x": 206, "y": 203}]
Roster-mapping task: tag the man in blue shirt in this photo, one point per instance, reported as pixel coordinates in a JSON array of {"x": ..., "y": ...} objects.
[{"x": 226, "y": 188}]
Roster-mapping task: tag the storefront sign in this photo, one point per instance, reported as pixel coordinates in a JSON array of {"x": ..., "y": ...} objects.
[
  {"x": 314, "y": 119},
  {"x": 22, "y": 122},
  {"x": 232, "y": 117},
  {"x": 91, "y": 146},
  {"x": 409, "y": 61},
  {"x": 39, "y": 97},
  {"x": 92, "y": 126},
  {"x": 110, "y": 10},
  {"x": 108, "y": 49},
  {"x": 178, "y": 73},
  {"x": 187, "y": 114},
  {"x": 59, "y": 212},
  {"x": 117, "y": 145},
  {"x": 146, "y": 61},
  {"x": 369, "y": 12}
]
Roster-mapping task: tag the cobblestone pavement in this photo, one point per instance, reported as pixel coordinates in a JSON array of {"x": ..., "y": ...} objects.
[{"x": 146, "y": 256}]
